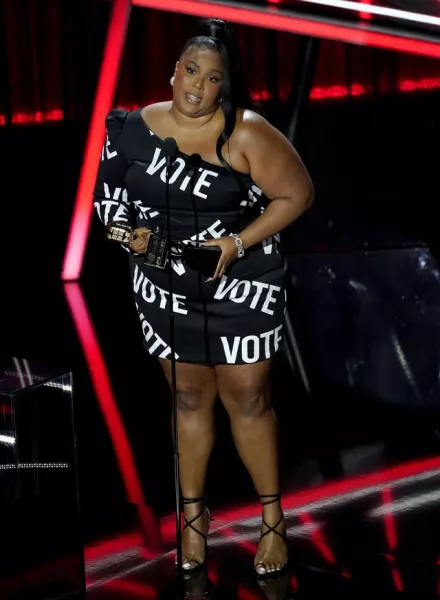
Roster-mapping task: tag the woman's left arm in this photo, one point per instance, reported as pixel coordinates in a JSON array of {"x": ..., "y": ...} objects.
[{"x": 277, "y": 169}]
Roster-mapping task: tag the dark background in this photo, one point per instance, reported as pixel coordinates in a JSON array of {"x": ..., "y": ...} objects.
[{"x": 369, "y": 139}]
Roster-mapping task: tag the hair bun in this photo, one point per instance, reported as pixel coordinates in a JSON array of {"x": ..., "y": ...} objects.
[{"x": 217, "y": 29}]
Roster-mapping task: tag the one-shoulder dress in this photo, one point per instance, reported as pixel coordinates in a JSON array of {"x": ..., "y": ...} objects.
[{"x": 235, "y": 320}]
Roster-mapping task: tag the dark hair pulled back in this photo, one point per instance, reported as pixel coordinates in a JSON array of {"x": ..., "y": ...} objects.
[{"x": 219, "y": 35}]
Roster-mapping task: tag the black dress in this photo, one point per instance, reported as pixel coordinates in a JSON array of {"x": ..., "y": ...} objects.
[{"x": 236, "y": 320}]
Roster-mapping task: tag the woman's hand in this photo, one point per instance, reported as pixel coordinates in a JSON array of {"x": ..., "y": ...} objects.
[
  {"x": 229, "y": 253},
  {"x": 140, "y": 243}
]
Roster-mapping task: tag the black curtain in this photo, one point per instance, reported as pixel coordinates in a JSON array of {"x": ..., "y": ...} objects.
[{"x": 50, "y": 54}]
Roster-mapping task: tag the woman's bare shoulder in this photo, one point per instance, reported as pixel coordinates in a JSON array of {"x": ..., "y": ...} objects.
[
  {"x": 156, "y": 110},
  {"x": 250, "y": 125},
  {"x": 246, "y": 116}
]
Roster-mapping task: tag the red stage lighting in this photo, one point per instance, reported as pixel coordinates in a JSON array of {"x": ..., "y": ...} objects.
[
  {"x": 109, "y": 408},
  {"x": 391, "y": 537},
  {"x": 82, "y": 212},
  {"x": 266, "y": 18},
  {"x": 365, "y": 15}
]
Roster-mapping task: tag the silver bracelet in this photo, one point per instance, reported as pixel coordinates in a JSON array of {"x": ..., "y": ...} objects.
[{"x": 237, "y": 240}]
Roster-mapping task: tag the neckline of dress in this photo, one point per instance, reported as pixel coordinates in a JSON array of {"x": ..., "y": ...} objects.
[{"x": 160, "y": 140}]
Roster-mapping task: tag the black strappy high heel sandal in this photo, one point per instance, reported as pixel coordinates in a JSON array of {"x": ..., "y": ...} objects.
[
  {"x": 199, "y": 565},
  {"x": 271, "y": 499},
  {"x": 198, "y": 586}
]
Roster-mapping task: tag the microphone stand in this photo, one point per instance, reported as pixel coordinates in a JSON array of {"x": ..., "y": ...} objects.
[
  {"x": 119, "y": 233},
  {"x": 193, "y": 163},
  {"x": 175, "y": 432}
]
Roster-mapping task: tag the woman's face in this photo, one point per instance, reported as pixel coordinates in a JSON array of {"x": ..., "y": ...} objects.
[{"x": 197, "y": 82}]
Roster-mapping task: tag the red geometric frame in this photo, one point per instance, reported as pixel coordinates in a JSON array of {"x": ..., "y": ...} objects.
[
  {"x": 105, "y": 92},
  {"x": 266, "y": 17},
  {"x": 110, "y": 411}
]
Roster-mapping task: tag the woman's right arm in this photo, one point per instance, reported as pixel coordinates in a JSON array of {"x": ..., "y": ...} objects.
[{"x": 110, "y": 196}]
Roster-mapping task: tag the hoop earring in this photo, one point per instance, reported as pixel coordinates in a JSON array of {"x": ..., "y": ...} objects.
[{"x": 172, "y": 80}]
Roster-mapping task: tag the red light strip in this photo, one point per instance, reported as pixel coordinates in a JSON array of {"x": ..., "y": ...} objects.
[
  {"x": 392, "y": 13},
  {"x": 320, "y": 544},
  {"x": 397, "y": 579},
  {"x": 305, "y": 497},
  {"x": 391, "y": 537},
  {"x": 213, "y": 575},
  {"x": 268, "y": 19},
  {"x": 294, "y": 583},
  {"x": 408, "y": 85},
  {"x": 82, "y": 212},
  {"x": 317, "y": 93},
  {"x": 249, "y": 546},
  {"x": 337, "y": 91},
  {"x": 101, "y": 384},
  {"x": 35, "y": 117},
  {"x": 390, "y": 527},
  {"x": 113, "y": 546},
  {"x": 365, "y": 15}
]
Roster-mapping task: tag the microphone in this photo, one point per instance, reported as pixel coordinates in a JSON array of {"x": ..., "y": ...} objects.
[
  {"x": 193, "y": 163},
  {"x": 170, "y": 150}
]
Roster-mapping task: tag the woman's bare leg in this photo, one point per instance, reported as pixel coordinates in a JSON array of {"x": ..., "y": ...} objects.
[
  {"x": 196, "y": 395},
  {"x": 245, "y": 393}
]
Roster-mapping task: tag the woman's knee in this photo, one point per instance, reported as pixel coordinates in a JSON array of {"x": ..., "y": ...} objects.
[
  {"x": 196, "y": 386},
  {"x": 246, "y": 399},
  {"x": 191, "y": 399}
]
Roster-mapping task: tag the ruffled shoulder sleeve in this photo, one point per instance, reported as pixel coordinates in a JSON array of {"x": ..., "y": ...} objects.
[
  {"x": 114, "y": 125},
  {"x": 110, "y": 196}
]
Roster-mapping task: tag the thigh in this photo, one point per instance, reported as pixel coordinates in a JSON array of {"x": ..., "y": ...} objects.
[
  {"x": 244, "y": 382},
  {"x": 195, "y": 384}
]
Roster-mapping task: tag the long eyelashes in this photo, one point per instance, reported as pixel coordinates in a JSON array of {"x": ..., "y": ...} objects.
[{"x": 211, "y": 79}]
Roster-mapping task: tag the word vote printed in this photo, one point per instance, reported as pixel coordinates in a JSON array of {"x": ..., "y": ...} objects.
[
  {"x": 156, "y": 341},
  {"x": 113, "y": 207},
  {"x": 106, "y": 153},
  {"x": 151, "y": 292},
  {"x": 262, "y": 294},
  {"x": 252, "y": 348},
  {"x": 179, "y": 166}
]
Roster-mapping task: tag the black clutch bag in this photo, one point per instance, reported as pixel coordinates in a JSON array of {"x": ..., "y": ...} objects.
[{"x": 203, "y": 259}]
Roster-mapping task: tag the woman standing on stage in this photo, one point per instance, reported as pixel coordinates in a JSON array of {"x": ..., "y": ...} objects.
[{"x": 250, "y": 185}]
